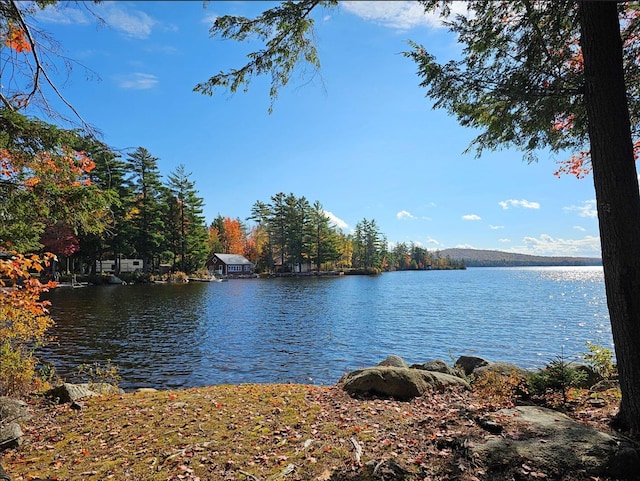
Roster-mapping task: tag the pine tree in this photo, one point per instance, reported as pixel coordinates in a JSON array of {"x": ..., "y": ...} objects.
[
  {"x": 145, "y": 209},
  {"x": 188, "y": 224}
]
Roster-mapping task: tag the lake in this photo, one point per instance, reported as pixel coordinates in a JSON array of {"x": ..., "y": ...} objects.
[{"x": 313, "y": 330}]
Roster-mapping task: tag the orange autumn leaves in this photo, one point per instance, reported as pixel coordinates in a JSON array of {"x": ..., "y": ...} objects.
[
  {"x": 24, "y": 320},
  {"x": 65, "y": 167},
  {"x": 24, "y": 316},
  {"x": 230, "y": 237},
  {"x": 17, "y": 39}
]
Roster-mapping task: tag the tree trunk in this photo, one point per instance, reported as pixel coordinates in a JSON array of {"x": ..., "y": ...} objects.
[{"x": 616, "y": 185}]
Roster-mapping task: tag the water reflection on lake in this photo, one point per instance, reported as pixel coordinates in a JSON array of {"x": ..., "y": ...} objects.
[{"x": 312, "y": 330}]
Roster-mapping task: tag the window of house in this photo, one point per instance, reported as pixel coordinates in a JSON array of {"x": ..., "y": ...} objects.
[{"x": 234, "y": 268}]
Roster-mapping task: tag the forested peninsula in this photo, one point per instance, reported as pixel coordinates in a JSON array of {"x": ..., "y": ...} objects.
[{"x": 491, "y": 258}]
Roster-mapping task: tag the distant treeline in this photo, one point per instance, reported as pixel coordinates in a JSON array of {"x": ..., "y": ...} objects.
[{"x": 489, "y": 258}]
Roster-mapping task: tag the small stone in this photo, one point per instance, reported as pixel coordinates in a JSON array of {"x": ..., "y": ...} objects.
[
  {"x": 597, "y": 403},
  {"x": 489, "y": 425}
]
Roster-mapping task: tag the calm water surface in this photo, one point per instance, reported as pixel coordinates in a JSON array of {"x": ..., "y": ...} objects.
[{"x": 313, "y": 330}]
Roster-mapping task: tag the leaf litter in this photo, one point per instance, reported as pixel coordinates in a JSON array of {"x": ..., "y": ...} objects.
[{"x": 263, "y": 432}]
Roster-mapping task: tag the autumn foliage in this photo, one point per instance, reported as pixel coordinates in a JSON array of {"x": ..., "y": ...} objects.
[
  {"x": 16, "y": 39},
  {"x": 579, "y": 164},
  {"x": 233, "y": 236},
  {"x": 24, "y": 320}
]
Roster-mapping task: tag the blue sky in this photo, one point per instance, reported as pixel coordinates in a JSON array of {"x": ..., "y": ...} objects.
[{"x": 360, "y": 136}]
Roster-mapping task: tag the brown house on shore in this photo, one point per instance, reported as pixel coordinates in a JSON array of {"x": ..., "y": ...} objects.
[{"x": 232, "y": 265}]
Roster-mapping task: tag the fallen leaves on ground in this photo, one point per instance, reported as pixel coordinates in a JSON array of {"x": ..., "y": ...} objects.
[{"x": 261, "y": 432}]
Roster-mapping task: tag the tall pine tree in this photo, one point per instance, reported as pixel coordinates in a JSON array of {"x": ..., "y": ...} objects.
[{"x": 145, "y": 208}]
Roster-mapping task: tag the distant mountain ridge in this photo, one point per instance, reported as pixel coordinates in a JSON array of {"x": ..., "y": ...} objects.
[{"x": 489, "y": 258}]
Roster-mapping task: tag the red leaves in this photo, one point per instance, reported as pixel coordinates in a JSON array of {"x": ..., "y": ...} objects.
[{"x": 578, "y": 165}]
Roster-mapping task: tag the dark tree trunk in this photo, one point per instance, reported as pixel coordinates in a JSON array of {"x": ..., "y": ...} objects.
[{"x": 616, "y": 185}]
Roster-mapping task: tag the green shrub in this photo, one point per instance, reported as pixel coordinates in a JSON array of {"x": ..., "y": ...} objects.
[
  {"x": 98, "y": 373},
  {"x": 557, "y": 377},
  {"x": 600, "y": 359}
]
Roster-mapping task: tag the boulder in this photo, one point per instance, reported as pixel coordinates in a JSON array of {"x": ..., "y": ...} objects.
[
  {"x": 396, "y": 382},
  {"x": 394, "y": 361},
  {"x": 469, "y": 363},
  {"x": 13, "y": 410},
  {"x": 437, "y": 365},
  {"x": 552, "y": 443},
  {"x": 68, "y": 393},
  {"x": 10, "y": 435}
]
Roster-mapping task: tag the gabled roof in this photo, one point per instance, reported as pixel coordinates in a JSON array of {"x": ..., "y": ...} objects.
[{"x": 233, "y": 259}]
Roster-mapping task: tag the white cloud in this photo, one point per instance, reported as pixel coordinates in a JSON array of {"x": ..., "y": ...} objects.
[
  {"x": 403, "y": 214},
  {"x": 63, "y": 16},
  {"x": 546, "y": 245},
  {"x": 525, "y": 204},
  {"x": 138, "y": 81},
  {"x": 399, "y": 15},
  {"x": 117, "y": 15},
  {"x": 464, "y": 246},
  {"x": 471, "y": 217},
  {"x": 588, "y": 209},
  {"x": 496, "y": 227},
  {"x": 335, "y": 220},
  {"x": 580, "y": 228},
  {"x": 133, "y": 23},
  {"x": 431, "y": 240},
  {"x": 504, "y": 240}
]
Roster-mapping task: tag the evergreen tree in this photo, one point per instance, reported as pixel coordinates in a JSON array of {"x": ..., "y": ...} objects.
[
  {"x": 296, "y": 229},
  {"x": 368, "y": 245},
  {"x": 109, "y": 176},
  {"x": 188, "y": 230},
  {"x": 145, "y": 213},
  {"x": 324, "y": 240}
]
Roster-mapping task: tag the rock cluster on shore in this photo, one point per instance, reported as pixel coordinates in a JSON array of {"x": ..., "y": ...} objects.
[
  {"x": 556, "y": 442},
  {"x": 533, "y": 438}
]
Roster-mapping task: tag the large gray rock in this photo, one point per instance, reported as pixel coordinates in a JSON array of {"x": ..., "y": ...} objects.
[
  {"x": 394, "y": 361},
  {"x": 68, "y": 393},
  {"x": 552, "y": 443},
  {"x": 13, "y": 410},
  {"x": 437, "y": 365},
  {"x": 469, "y": 363},
  {"x": 396, "y": 382},
  {"x": 10, "y": 435}
]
